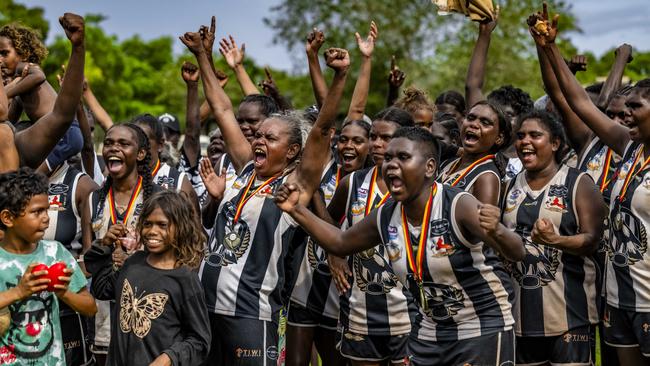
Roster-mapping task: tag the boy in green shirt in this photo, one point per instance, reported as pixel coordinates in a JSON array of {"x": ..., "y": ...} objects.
[{"x": 33, "y": 336}]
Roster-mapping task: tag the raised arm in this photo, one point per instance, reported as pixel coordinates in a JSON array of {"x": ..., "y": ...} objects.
[
  {"x": 204, "y": 111},
  {"x": 357, "y": 238},
  {"x": 36, "y": 142},
  {"x": 623, "y": 56},
  {"x": 316, "y": 153},
  {"x": 315, "y": 40},
  {"x": 191, "y": 143},
  {"x": 237, "y": 146},
  {"x": 235, "y": 58},
  {"x": 101, "y": 116},
  {"x": 360, "y": 94},
  {"x": 478, "y": 62},
  {"x": 611, "y": 133},
  {"x": 4, "y": 104},
  {"x": 578, "y": 133},
  {"x": 396, "y": 78},
  {"x": 271, "y": 90}
]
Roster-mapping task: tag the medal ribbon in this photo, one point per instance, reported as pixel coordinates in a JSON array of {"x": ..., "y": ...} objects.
[
  {"x": 155, "y": 169},
  {"x": 469, "y": 168},
  {"x": 338, "y": 175},
  {"x": 416, "y": 264},
  {"x": 129, "y": 207},
  {"x": 632, "y": 173},
  {"x": 371, "y": 193},
  {"x": 608, "y": 161},
  {"x": 245, "y": 197}
]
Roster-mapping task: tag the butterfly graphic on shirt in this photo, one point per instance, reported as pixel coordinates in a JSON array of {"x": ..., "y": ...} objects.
[{"x": 136, "y": 313}]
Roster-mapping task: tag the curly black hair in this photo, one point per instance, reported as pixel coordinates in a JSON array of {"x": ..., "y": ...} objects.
[
  {"x": 268, "y": 106},
  {"x": 18, "y": 187},
  {"x": 26, "y": 41},
  {"x": 453, "y": 98},
  {"x": 422, "y": 136},
  {"x": 153, "y": 123},
  {"x": 516, "y": 98}
]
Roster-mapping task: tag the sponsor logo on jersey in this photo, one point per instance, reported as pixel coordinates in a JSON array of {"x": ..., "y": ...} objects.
[{"x": 513, "y": 199}]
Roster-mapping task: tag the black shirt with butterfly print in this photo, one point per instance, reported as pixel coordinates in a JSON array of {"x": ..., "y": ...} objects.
[{"x": 154, "y": 311}]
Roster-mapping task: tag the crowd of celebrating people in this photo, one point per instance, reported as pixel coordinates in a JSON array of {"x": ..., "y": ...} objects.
[{"x": 469, "y": 230}]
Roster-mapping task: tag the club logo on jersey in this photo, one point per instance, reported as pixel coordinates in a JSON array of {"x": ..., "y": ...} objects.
[
  {"x": 625, "y": 168},
  {"x": 329, "y": 188},
  {"x": 597, "y": 161},
  {"x": 358, "y": 208},
  {"x": 443, "y": 301},
  {"x": 556, "y": 199},
  {"x": 393, "y": 233},
  {"x": 628, "y": 240},
  {"x": 166, "y": 182},
  {"x": 235, "y": 242},
  {"x": 513, "y": 199},
  {"x": 241, "y": 181},
  {"x": 362, "y": 193},
  {"x": 538, "y": 267},
  {"x": 439, "y": 227},
  {"x": 137, "y": 210},
  {"x": 317, "y": 258},
  {"x": 373, "y": 273},
  {"x": 441, "y": 249},
  {"x": 58, "y": 196},
  {"x": 646, "y": 182}
]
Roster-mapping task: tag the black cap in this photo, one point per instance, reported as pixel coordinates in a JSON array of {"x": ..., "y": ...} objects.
[{"x": 170, "y": 121}]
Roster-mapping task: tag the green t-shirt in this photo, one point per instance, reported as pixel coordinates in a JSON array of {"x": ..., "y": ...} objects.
[{"x": 34, "y": 335}]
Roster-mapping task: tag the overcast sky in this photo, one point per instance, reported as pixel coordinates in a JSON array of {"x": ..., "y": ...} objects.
[{"x": 605, "y": 23}]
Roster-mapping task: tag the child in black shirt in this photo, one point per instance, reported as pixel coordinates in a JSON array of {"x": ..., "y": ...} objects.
[{"x": 160, "y": 317}]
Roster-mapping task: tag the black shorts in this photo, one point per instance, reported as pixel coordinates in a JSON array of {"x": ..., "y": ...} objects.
[
  {"x": 242, "y": 341},
  {"x": 300, "y": 316},
  {"x": 372, "y": 348},
  {"x": 575, "y": 347},
  {"x": 490, "y": 349},
  {"x": 625, "y": 328},
  {"x": 74, "y": 333}
]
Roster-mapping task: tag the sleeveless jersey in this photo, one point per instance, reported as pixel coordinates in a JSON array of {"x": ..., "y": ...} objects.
[
  {"x": 465, "y": 178},
  {"x": 465, "y": 286},
  {"x": 598, "y": 161},
  {"x": 65, "y": 220},
  {"x": 555, "y": 291},
  {"x": 243, "y": 273},
  {"x": 168, "y": 177},
  {"x": 377, "y": 303},
  {"x": 628, "y": 262},
  {"x": 314, "y": 288}
]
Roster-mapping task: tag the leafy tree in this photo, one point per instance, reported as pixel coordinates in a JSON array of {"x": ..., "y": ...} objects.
[{"x": 31, "y": 17}]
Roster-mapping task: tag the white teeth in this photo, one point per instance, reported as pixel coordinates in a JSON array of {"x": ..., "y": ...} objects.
[
  {"x": 114, "y": 158},
  {"x": 153, "y": 241},
  {"x": 259, "y": 151}
]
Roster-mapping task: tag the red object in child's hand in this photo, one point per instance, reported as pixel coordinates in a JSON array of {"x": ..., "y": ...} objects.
[{"x": 53, "y": 273}]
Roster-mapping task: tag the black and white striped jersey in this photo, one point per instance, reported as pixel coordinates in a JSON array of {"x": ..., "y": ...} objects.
[
  {"x": 599, "y": 161},
  {"x": 314, "y": 288},
  {"x": 466, "y": 288},
  {"x": 465, "y": 178},
  {"x": 243, "y": 273},
  {"x": 555, "y": 291},
  {"x": 65, "y": 220},
  {"x": 628, "y": 262},
  {"x": 168, "y": 177},
  {"x": 377, "y": 303}
]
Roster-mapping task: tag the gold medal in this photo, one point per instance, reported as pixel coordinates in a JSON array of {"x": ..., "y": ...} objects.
[{"x": 232, "y": 240}]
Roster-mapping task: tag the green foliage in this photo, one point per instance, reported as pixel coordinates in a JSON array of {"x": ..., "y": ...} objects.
[{"x": 31, "y": 17}]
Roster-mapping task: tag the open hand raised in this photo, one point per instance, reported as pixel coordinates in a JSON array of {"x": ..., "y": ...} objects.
[
  {"x": 366, "y": 46},
  {"x": 234, "y": 56}
]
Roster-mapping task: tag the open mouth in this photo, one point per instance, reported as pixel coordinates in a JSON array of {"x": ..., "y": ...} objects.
[
  {"x": 348, "y": 157},
  {"x": 471, "y": 137},
  {"x": 395, "y": 183},
  {"x": 527, "y": 154},
  {"x": 259, "y": 156},
  {"x": 114, "y": 164}
]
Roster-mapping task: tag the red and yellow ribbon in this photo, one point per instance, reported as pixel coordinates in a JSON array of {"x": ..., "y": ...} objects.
[
  {"x": 155, "y": 169},
  {"x": 338, "y": 176},
  {"x": 129, "y": 208},
  {"x": 608, "y": 161},
  {"x": 371, "y": 193},
  {"x": 632, "y": 173},
  {"x": 416, "y": 264},
  {"x": 469, "y": 168},
  {"x": 245, "y": 197}
]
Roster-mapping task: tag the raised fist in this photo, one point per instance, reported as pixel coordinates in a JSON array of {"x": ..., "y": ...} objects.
[
  {"x": 337, "y": 58},
  {"x": 73, "y": 25}
]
